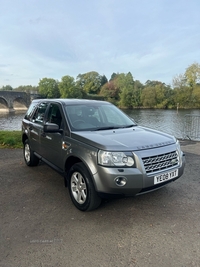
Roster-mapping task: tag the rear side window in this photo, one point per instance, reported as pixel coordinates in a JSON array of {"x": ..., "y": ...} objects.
[
  {"x": 30, "y": 111},
  {"x": 39, "y": 113}
]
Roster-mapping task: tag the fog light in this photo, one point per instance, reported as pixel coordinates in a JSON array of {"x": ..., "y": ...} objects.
[{"x": 120, "y": 181}]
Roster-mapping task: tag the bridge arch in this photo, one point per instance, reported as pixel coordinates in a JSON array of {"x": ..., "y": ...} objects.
[
  {"x": 19, "y": 103},
  {"x": 11, "y": 101},
  {"x": 4, "y": 107}
]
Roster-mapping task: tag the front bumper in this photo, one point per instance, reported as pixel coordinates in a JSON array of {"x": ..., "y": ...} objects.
[{"x": 137, "y": 181}]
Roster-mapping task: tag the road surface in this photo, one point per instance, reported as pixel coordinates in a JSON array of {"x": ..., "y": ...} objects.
[{"x": 40, "y": 227}]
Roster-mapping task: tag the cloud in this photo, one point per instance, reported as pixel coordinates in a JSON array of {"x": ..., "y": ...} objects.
[{"x": 152, "y": 39}]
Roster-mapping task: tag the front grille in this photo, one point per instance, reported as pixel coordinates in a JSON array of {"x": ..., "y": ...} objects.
[{"x": 161, "y": 162}]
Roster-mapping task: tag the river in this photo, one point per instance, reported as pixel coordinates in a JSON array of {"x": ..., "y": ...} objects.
[{"x": 169, "y": 121}]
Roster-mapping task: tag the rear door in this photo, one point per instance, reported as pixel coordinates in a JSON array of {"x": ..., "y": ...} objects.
[{"x": 36, "y": 127}]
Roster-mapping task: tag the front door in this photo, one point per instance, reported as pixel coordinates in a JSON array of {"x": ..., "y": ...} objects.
[{"x": 52, "y": 142}]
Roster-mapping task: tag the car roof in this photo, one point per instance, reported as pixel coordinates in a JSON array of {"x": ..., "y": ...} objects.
[{"x": 71, "y": 101}]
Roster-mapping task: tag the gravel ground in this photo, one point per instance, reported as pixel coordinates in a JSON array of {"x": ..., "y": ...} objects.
[{"x": 40, "y": 227}]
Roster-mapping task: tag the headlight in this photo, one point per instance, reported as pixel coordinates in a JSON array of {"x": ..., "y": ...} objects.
[
  {"x": 118, "y": 159},
  {"x": 178, "y": 145},
  {"x": 179, "y": 151}
]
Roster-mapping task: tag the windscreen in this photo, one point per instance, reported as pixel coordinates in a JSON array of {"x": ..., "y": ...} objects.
[{"x": 84, "y": 117}]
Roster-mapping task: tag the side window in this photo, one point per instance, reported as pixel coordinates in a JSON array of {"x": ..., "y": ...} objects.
[
  {"x": 54, "y": 115},
  {"x": 30, "y": 111},
  {"x": 38, "y": 116}
]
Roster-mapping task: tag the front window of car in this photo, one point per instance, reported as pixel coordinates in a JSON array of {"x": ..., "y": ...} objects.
[
  {"x": 54, "y": 115},
  {"x": 84, "y": 117}
]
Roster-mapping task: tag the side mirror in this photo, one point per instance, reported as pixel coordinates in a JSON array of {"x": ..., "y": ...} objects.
[{"x": 51, "y": 128}]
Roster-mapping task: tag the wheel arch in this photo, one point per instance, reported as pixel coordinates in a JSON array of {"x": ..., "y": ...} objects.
[
  {"x": 24, "y": 138},
  {"x": 70, "y": 162},
  {"x": 82, "y": 188}
]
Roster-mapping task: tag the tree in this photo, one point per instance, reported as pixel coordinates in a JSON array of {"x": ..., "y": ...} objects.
[
  {"x": 183, "y": 96},
  {"x": 7, "y": 88},
  {"x": 196, "y": 96},
  {"x": 26, "y": 88},
  {"x": 148, "y": 97},
  {"x": 113, "y": 76},
  {"x": 126, "y": 84},
  {"x": 137, "y": 91},
  {"x": 179, "y": 81},
  {"x": 110, "y": 92},
  {"x": 186, "y": 87},
  {"x": 68, "y": 88},
  {"x": 89, "y": 82},
  {"x": 104, "y": 80},
  {"x": 192, "y": 74},
  {"x": 48, "y": 88},
  {"x": 156, "y": 95}
]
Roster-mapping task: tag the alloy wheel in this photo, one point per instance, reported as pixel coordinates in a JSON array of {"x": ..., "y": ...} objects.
[{"x": 78, "y": 187}]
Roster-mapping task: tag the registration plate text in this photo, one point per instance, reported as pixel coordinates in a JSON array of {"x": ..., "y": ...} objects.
[{"x": 165, "y": 176}]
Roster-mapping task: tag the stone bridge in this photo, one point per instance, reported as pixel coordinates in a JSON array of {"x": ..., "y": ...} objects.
[{"x": 11, "y": 101}]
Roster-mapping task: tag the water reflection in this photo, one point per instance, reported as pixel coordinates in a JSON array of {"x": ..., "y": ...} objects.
[
  {"x": 11, "y": 121},
  {"x": 168, "y": 121}
]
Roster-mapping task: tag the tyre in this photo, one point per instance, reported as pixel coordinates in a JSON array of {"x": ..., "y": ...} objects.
[
  {"x": 81, "y": 188},
  {"x": 29, "y": 157}
]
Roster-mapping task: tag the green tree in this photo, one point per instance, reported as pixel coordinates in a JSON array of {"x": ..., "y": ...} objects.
[
  {"x": 89, "y": 82},
  {"x": 48, "y": 88},
  {"x": 156, "y": 95},
  {"x": 186, "y": 87},
  {"x": 7, "y": 88},
  {"x": 68, "y": 88},
  {"x": 113, "y": 76},
  {"x": 104, "y": 80},
  {"x": 148, "y": 97},
  {"x": 27, "y": 88},
  {"x": 183, "y": 96},
  {"x": 137, "y": 91},
  {"x": 179, "y": 81},
  {"x": 126, "y": 84},
  {"x": 192, "y": 74},
  {"x": 196, "y": 96}
]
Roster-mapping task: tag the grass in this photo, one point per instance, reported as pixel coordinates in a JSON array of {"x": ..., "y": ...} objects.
[{"x": 10, "y": 139}]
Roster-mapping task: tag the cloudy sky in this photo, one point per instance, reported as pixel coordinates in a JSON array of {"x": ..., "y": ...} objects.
[{"x": 153, "y": 39}]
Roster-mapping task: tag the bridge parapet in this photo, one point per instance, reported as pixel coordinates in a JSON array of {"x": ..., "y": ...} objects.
[{"x": 8, "y": 100}]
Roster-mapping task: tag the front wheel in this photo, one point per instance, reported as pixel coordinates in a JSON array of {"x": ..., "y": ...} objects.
[
  {"x": 81, "y": 188},
  {"x": 29, "y": 157}
]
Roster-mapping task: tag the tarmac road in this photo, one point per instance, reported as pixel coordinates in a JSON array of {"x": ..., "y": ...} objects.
[{"x": 40, "y": 227}]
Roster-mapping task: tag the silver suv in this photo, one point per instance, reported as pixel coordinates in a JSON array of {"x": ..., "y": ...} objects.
[{"x": 99, "y": 150}]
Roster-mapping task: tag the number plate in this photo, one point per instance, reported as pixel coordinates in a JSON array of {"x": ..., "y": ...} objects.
[{"x": 165, "y": 177}]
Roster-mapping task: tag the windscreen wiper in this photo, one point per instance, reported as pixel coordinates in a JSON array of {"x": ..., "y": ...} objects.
[
  {"x": 113, "y": 127},
  {"x": 106, "y": 128},
  {"x": 128, "y": 126}
]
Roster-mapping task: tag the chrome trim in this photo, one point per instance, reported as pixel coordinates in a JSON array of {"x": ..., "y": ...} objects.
[{"x": 161, "y": 162}]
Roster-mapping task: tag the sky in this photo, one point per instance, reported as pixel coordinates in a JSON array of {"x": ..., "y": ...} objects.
[{"x": 152, "y": 39}]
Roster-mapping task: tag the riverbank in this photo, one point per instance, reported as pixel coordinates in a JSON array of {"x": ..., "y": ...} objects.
[
  {"x": 7, "y": 111},
  {"x": 10, "y": 139}
]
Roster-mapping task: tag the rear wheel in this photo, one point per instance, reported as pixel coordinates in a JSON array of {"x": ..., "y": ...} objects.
[
  {"x": 81, "y": 188},
  {"x": 29, "y": 157}
]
